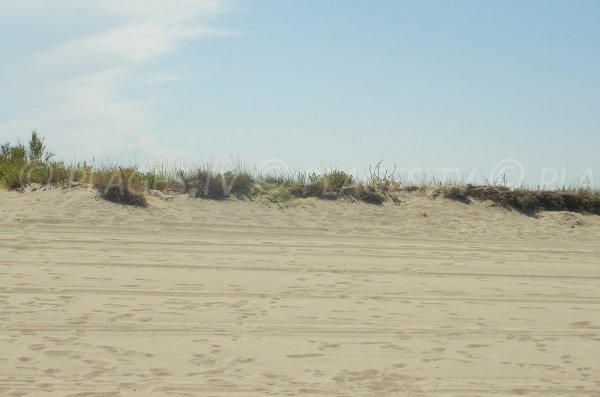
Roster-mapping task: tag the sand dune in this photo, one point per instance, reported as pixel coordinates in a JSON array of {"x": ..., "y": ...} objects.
[{"x": 197, "y": 297}]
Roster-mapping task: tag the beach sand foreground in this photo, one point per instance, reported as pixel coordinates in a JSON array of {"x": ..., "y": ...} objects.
[{"x": 197, "y": 297}]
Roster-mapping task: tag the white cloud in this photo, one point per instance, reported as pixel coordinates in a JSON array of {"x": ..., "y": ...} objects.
[
  {"x": 169, "y": 10},
  {"x": 89, "y": 118},
  {"x": 127, "y": 45},
  {"x": 166, "y": 77},
  {"x": 117, "y": 10},
  {"x": 84, "y": 112}
]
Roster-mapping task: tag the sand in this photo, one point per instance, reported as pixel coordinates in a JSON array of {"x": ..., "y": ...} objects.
[{"x": 197, "y": 297}]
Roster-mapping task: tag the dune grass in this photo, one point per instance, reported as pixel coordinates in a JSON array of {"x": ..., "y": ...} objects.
[
  {"x": 527, "y": 201},
  {"x": 31, "y": 164}
]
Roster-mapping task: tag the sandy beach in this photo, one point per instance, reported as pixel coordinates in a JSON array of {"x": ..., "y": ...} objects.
[{"x": 198, "y": 297}]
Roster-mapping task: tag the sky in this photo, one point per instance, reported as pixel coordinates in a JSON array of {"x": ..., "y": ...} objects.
[{"x": 472, "y": 89}]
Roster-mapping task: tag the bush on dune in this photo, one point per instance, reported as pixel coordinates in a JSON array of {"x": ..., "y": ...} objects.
[
  {"x": 121, "y": 185},
  {"x": 213, "y": 184},
  {"x": 527, "y": 201},
  {"x": 22, "y": 165},
  {"x": 280, "y": 195}
]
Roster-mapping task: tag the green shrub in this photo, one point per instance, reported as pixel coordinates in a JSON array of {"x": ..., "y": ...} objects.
[
  {"x": 215, "y": 185},
  {"x": 9, "y": 176},
  {"x": 238, "y": 183},
  {"x": 154, "y": 181},
  {"x": 335, "y": 180},
  {"x": 16, "y": 154},
  {"x": 37, "y": 148}
]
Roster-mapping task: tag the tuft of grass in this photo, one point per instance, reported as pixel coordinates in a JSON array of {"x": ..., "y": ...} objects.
[
  {"x": 239, "y": 183},
  {"x": 206, "y": 182},
  {"x": 120, "y": 185},
  {"x": 368, "y": 193},
  {"x": 336, "y": 180},
  {"x": 280, "y": 178},
  {"x": 9, "y": 177},
  {"x": 457, "y": 193},
  {"x": 21, "y": 165},
  {"x": 330, "y": 185},
  {"x": 280, "y": 195}
]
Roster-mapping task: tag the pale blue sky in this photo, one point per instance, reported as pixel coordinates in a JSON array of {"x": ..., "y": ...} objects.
[{"x": 422, "y": 84}]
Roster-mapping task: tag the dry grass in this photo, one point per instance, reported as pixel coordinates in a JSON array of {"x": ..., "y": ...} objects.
[
  {"x": 280, "y": 195},
  {"x": 527, "y": 201},
  {"x": 22, "y": 165},
  {"x": 120, "y": 185},
  {"x": 206, "y": 182}
]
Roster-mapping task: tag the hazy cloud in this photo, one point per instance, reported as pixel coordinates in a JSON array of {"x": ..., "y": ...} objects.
[{"x": 84, "y": 111}]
